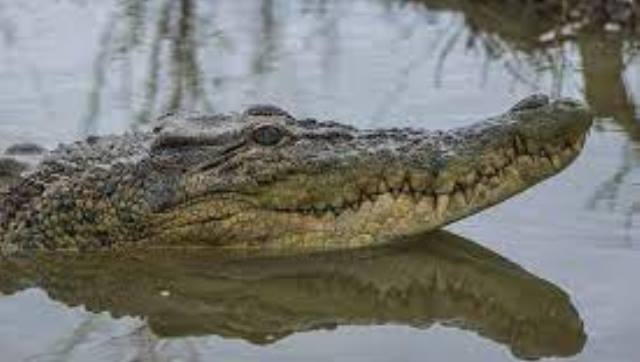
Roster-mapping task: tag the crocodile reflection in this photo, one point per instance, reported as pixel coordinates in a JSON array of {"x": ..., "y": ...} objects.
[{"x": 434, "y": 278}]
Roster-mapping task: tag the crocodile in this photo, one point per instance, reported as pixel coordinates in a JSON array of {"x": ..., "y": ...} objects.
[{"x": 264, "y": 180}]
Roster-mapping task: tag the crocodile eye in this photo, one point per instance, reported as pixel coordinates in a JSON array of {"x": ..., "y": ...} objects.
[{"x": 268, "y": 135}]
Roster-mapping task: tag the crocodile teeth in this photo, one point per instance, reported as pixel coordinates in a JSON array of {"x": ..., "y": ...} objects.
[
  {"x": 546, "y": 161},
  {"x": 382, "y": 186},
  {"x": 480, "y": 190},
  {"x": 367, "y": 206},
  {"x": 468, "y": 194},
  {"x": 395, "y": 180},
  {"x": 434, "y": 198},
  {"x": 338, "y": 204},
  {"x": 532, "y": 148},
  {"x": 445, "y": 187},
  {"x": 459, "y": 199},
  {"x": 577, "y": 144},
  {"x": 510, "y": 154},
  {"x": 406, "y": 188},
  {"x": 352, "y": 198},
  {"x": 319, "y": 208},
  {"x": 418, "y": 182},
  {"x": 544, "y": 152},
  {"x": 442, "y": 203},
  {"x": 494, "y": 182},
  {"x": 512, "y": 172},
  {"x": 527, "y": 160},
  {"x": 487, "y": 170},
  {"x": 470, "y": 178},
  {"x": 425, "y": 205},
  {"x": 500, "y": 161}
]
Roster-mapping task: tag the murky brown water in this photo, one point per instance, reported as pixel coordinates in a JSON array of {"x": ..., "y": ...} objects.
[{"x": 559, "y": 279}]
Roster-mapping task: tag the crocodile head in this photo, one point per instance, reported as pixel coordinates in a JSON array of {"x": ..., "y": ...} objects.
[
  {"x": 273, "y": 180},
  {"x": 265, "y": 179}
]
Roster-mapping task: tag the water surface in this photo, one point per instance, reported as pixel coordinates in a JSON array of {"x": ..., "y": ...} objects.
[{"x": 74, "y": 68}]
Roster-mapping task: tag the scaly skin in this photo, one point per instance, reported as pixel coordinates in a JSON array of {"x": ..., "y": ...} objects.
[{"x": 265, "y": 180}]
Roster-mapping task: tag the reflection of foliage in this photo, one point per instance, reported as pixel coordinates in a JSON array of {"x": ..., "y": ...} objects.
[
  {"x": 613, "y": 193},
  {"x": 6, "y": 28},
  {"x": 494, "y": 35},
  {"x": 539, "y": 35},
  {"x": 515, "y": 38},
  {"x": 535, "y": 35},
  {"x": 264, "y": 59},
  {"x": 633, "y": 210},
  {"x": 173, "y": 53}
]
